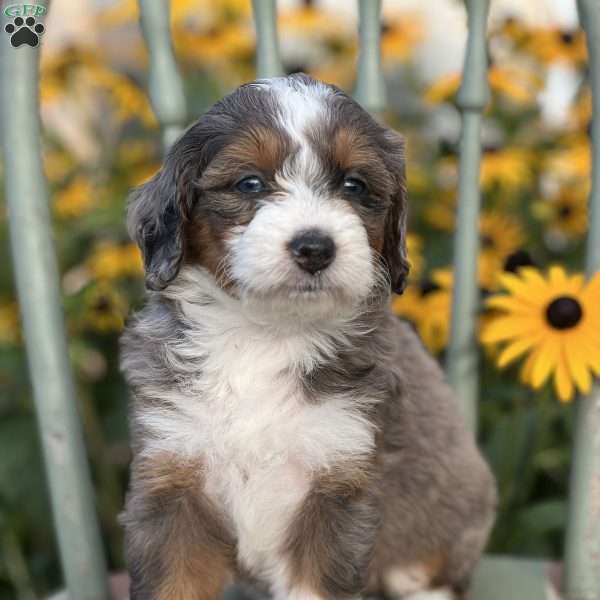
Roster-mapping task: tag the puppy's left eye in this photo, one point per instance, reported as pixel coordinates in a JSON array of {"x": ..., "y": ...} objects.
[
  {"x": 354, "y": 186},
  {"x": 250, "y": 185}
]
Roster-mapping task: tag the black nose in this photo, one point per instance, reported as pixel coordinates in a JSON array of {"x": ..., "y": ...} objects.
[{"x": 312, "y": 250}]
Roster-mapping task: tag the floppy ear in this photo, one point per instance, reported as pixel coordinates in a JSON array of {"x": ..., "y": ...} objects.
[
  {"x": 394, "y": 243},
  {"x": 155, "y": 216}
]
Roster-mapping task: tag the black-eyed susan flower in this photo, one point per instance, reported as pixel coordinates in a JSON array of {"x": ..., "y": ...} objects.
[
  {"x": 427, "y": 305},
  {"x": 508, "y": 168},
  {"x": 111, "y": 261},
  {"x": 216, "y": 47},
  {"x": 499, "y": 236},
  {"x": 414, "y": 246},
  {"x": 440, "y": 213},
  {"x": 571, "y": 160},
  {"x": 514, "y": 83},
  {"x": 514, "y": 30},
  {"x": 105, "y": 308},
  {"x": 400, "y": 35},
  {"x": 75, "y": 199},
  {"x": 554, "y": 320},
  {"x": 313, "y": 22},
  {"x": 564, "y": 213},
  {"x": 556, "y": 45},
  {"x": 127, "y": 11}
]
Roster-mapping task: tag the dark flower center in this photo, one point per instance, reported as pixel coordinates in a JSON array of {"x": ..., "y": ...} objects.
[
  {"x": 385, "y": 27},
  {"x": 564, "y": 312},
  {"x": 102, "y": 304},
  {"x": 491, "y": 148},
  {"x": 567, "y": 37},
  {"x": 487, "y": 241},
  {"x": 565, "y": 211},
  {"x": 427, "y": 287},
  {"x": 518, "y": 259}
]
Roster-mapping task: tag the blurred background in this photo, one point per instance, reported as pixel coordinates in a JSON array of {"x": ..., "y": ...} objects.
[{"x": 101, "y": 139}]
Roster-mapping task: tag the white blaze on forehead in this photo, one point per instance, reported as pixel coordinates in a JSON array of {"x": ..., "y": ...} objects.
[{"x": 300, "y": 106}]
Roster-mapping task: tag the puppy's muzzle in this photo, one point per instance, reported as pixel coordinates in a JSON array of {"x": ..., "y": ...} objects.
[{"x": 312, "y": 250}]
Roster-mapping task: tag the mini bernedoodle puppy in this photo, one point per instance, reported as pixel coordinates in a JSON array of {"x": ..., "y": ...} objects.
[{"x": 287, "y": 429}]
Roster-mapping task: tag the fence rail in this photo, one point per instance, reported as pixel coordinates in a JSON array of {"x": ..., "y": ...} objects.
[
  {"x": 37, "y": 274},
  {"x": 37, "y": 281}
]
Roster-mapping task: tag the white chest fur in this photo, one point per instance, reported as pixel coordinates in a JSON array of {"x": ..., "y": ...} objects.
[{"x": 245, "y": 417}]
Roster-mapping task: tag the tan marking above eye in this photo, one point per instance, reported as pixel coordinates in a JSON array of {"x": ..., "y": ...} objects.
[
  {"x": 351, "y": 150},
  {"x": 257, "y": 149}
]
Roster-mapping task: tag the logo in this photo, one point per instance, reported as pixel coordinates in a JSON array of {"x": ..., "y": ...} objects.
[
  {"x": 25, "y": 10},
  {"x": 25, "y": 27}
]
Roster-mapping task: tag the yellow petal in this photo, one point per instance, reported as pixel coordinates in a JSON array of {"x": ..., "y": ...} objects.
[
  {"x": 557, "y": 275},
  {"x": 562, "y": 380},
  {"x": 547, "y": 357},
  {"x": 514, "y": 284},
  {"x": 506, "y": 327},
  {"x": 577, "y": 363},
  {"x": 509, "y": 303},
  {"x": 528, "y": 367},
  {"x": 514, "y": 350}
]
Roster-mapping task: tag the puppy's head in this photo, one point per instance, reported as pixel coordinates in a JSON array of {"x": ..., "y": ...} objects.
[{"x": 288, "y": 193}]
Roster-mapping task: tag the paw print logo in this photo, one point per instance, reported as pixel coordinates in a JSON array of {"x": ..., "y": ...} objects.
[{"x": 24, "y": 31}]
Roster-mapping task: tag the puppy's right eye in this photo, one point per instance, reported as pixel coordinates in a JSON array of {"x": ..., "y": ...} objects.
[{"x": 250, "y": 185}]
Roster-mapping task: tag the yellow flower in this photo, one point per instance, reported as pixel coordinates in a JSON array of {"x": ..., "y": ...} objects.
[
  {"x": 444, "y": 89},
  {"x": 414, "y": 245},
  {"x": 143, "y": 173},
  {"x": 136, "y": 151},
  {"x": 340, "y": 71},
  {"x": 573, "y": 160},
  {"x": 126, "y": 11},
  {"x": 9, "y": 324},
  {"x": 515, "y": 30},
  {"x": 75, "y": 199},
  {"x": 216, "y": 47},
  {"x": 104, "y": 309},
  {"x": 506, "y": 168},
  {"x": 581, "y": 110},
  {"x": 512, "y": 82},
  {"x": 400, "y": 37},
  {"x": 110, "y": 261},
  {"x": 428, "y": 307},
  {"x": 129, "y": 100},
  {"x": 565, "y": 213},
  {"x": 557, "y": 45},
  {"x": 515, "y": 83},
  {"x": 500, "y": 234},
  {"x": 310, "y": 21},
  {"x": 440, "y": 213},
  {"x": 554, "y": 319},
  {"x": 57, "y": 165}
]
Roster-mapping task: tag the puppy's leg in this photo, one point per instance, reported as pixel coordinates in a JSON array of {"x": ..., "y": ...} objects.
[
  {"x": 332, "y": 539},
  {"x": 176, "y": 547}
]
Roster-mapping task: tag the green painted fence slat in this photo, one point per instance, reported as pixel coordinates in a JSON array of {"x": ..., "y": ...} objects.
[
  {"x": 37, "y": 279},
  {"x": 370, "y": 84},
  {"x": 268, "y": 61},
  {"x": 582, "y": 559},
  {"x": 472, "y": 98},
  {"x": 166, "y": 86}
]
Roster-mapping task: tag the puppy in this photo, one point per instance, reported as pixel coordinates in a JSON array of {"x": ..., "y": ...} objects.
[{"x": 286, "y": 428}]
